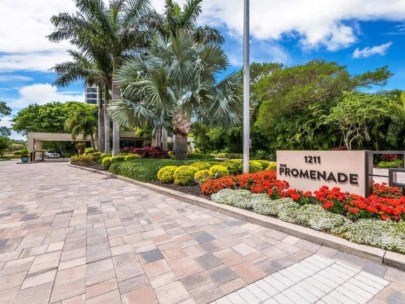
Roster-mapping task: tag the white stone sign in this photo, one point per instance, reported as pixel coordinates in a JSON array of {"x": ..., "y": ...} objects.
[{"x": 309, "y": 170}]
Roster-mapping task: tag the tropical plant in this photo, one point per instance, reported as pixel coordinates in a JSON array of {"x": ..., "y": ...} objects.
[
  {"x": 84, "y": 122},
  {"x": 175, "y": 18},
  {"x": 175, "y": 83},
  {"x": 116, "y": 29},
  {"x": 94, "y": 71}
]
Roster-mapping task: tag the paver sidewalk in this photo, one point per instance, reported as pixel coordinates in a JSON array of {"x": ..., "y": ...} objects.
[{"x": 71, "y": 236}]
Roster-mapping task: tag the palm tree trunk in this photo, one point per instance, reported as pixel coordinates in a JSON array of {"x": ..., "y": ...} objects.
[
  {"x": 100, "y": 121},
  {"x": 181, "y": 128},
  {"x": 164, "y": 138},
  {"x": 116, "y": 94},
  {"x": 180, "y": 146},
  {"x": 92, "y": 141},
  {"x": 107, "y": 123}
]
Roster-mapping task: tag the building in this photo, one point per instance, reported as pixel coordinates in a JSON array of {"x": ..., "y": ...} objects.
[{"x": 91, "y": 96}]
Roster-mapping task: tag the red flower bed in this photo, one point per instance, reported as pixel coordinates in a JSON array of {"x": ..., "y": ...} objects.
[
  {"x": 147, "y": 152},
  {"x": 386, "y": 203}
]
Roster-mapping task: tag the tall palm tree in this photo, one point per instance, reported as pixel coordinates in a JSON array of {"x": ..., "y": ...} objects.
[
  {"x": 177, "y": 18},
  {"x": 84, "y": 67},
  {"x": 83, "y": 121},
  {"x": 120, "y": 28},
  {"x": 175, "y": 84}
]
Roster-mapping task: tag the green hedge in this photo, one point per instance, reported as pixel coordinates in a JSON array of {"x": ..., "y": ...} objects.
[{"x": 144, "y": 170}]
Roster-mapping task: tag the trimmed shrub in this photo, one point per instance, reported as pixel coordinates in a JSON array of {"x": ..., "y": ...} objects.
[
  {"x": 107, "y": 162},
  {"x": 265, "y": 164},
  {"x": 202, "y": 176},
  {"x": 184, "y": 175},
  {"x": 144, "y": 170},
  {"x": 202, "y": 165},
  {"x": 83, "y": 160},
  {"x": 272, "y": 166},
  {"x": 88, "y": 150},
  {"x": 147, "y": 152},
  {"x": 234, "y": 166},
  {"x": 218, "y": 171},
  {"x": 117, "y": 159},
  {"x": 132, "y": 157},
  {"x": 165, "y": 174},
  {"x": 199, "y": 156},
  {"x": 255, "y": 166}
]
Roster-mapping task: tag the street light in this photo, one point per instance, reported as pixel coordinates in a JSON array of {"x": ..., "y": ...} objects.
[{"x": 246, "y": 89}]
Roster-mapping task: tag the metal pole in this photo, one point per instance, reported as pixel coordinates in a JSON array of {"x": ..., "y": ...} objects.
[{"x": 246, "y": 89}]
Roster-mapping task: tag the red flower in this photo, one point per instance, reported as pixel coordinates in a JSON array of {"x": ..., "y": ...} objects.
[{"x": 328, "y": 205}]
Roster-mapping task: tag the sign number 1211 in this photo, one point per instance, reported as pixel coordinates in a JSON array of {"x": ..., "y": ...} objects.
[{"x": 312, "y": 159}]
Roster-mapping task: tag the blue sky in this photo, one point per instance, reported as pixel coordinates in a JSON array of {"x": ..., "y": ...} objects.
[{"x": 361, "y": 34}]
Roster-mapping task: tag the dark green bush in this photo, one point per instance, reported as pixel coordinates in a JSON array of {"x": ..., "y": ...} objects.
[
  {"x": 144, "y": 170},
  {"x": 199, "y": 156}
]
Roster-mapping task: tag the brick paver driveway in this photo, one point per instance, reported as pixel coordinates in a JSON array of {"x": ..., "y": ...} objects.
[{"x": 70, "y": 236}]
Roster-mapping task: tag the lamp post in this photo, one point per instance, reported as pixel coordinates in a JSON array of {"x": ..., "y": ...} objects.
[{"x": 246, "y": 89}]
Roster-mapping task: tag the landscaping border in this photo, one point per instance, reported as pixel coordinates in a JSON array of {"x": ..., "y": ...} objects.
[{"x": 378, "y": 255}]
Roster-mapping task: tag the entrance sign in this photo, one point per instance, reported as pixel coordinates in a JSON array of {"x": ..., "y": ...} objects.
[{"x": 310, "y": 170}]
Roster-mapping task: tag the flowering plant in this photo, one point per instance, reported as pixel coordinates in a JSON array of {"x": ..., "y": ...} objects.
[{"x": 386, "y": 203}]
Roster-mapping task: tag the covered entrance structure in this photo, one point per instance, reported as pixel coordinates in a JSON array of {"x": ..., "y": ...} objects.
[{"x": 35, "y": 139}]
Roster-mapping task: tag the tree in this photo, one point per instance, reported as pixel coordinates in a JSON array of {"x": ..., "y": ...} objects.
[
  {"x": 292, "y": 100},
  {"x": 358, "y": 115},
  {"x": 174, "y": 84},
  {"x": 175, "y": 18},
  {"x": 84, "y": 122},
  {"x": 49, "y": 117},
  {"x": 4, "y": 109},
  {"x": 120, "y": 28},
  {"x": 94, "y": 71}
]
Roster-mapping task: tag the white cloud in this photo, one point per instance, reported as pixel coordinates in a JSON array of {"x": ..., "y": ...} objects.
[
  {"x": 315, "y": 23},
  {"x": 41, "y": 94},
  {"x": 24, "y": 24},
  {"x": 370, "y": 51},
  {"x": 37, "y": 61},
  {"x": 5, "y": 78}
]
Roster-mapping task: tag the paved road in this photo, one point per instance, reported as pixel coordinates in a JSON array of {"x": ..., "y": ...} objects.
[{"x": 70, "y": 236}]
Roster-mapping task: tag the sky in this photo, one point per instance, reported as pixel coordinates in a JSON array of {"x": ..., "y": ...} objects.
[{"x": 360, "y": 34}]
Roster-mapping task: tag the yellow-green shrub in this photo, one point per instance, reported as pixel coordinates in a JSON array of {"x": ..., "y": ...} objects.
[
  {"x": 132, "y": 157},
  {"x": 272, "y": 166},
  {"x": 264, "y": 163},
  {"x": 83, "y": 159},
  {"x": 184, "y": 175},
  {"x": 165, "y": 174},
  {"x": 202, "y": 176},
  {"x": 118, "y": 159},
  {"x": 255, "y": 166},
  {"x": 107, "y": 162},
  {"x": 202, "y": 165},
  {"x": 218, "y": 171},
  {"x": 234, "y": 166}
]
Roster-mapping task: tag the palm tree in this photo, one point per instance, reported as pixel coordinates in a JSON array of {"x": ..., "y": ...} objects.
[
  {"x": 175, "y": 84},
  {"x": 118, "y": 29},
  {"x": 83, "y": 121},
  {"x": 85, "y": 67},
  {"x": 175, "y": 18}
]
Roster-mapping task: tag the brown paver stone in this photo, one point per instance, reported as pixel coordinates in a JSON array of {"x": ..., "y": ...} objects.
[{"x": 90, "y": 238}]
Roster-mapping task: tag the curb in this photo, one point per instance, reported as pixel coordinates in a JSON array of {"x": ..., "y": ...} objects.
[{"x": 374, "y": 254}]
